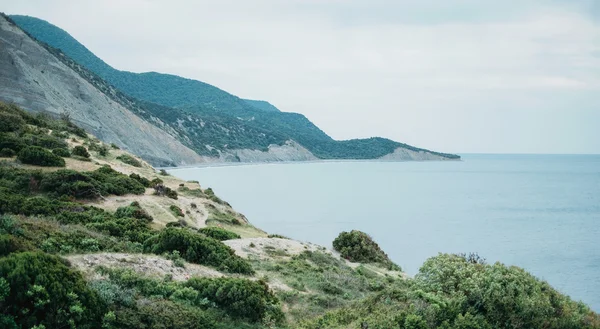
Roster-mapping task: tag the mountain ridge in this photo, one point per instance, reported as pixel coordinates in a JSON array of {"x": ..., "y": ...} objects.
[{"x": 173, "y": 91}]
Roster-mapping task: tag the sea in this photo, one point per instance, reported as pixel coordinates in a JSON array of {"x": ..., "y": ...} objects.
[{"x": 539, "y": 212}]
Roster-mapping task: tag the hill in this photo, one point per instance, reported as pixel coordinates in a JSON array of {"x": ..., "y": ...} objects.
[
  {"x": 200, "y": 98},
  {"x": 93, "y": 237}
]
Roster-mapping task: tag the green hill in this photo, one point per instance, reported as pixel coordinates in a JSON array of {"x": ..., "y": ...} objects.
[
  {"x": 262, "y": 105},
  {"x": 196, "y": 97}
]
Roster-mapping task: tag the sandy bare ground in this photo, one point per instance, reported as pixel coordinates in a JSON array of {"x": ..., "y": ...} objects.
[
  {"x": 154, "y": 267},
  {"x": 149, "y": 265},
  {"x": 277, "y": 248}
]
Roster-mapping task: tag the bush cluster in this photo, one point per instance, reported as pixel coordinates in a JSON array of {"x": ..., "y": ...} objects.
[
  {"x": 61, "y": 152},
  {"x": 239, "y": 298},
  {"x": 126, "y": 158},
  {"x": 80, "y": 151},
  {"x": 199, "y": 249},
  {"x": 176, "y": 211},
  {"x": 37, "y": 289},
  {"x": 455, "y": 292},
  {"x": 36, "y": 155},
  {"x": 357, "y": 246},
  {"x": 134, "y": 210},
  {"x": 219, "y": 233}
]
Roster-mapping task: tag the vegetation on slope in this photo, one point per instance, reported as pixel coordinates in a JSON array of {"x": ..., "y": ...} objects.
[
  {"x": 45, "y": 213},
  {"x": 212, "y": 116},
  {"x": 458, "y": 291},
  {"x": 359, "y": 247}
]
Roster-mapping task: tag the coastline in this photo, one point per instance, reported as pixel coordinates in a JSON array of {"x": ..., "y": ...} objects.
[{"x": 234, "y": 164}]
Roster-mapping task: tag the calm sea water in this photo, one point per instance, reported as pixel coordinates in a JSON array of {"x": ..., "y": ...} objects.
[{"x": 540, "y": 212}]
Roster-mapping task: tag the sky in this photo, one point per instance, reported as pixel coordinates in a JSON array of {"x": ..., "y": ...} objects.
[{"x": 464, "y": 76}]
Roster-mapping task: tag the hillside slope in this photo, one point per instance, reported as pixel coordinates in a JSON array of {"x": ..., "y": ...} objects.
[
  {"x": 93, "y": 237},
  {"x": 33, "y": 78},
  {"x": 199, "y": 98}
]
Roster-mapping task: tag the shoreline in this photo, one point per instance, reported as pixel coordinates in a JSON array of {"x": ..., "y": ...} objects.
[{"x": 235, "y": 164}]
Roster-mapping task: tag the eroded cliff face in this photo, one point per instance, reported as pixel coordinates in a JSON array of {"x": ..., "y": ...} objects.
[
  {"x": 36, "y": 80},
  {"x": 402, "y": 154},
  {"x": 289, "y": 151}
]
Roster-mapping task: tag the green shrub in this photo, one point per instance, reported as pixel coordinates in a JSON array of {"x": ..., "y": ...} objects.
[
  {"x": 199, "y": 249},
  {"x": 278, "y": 236},
  {"x": 43, "y": 290},
  {"x": 210, "y": 194},
  {"x": 163, "y": 172},
  {"x": 219, "y": 233},
  {"x": 159, "y": 314},
  {"x": 176, "y": 211},
  {"x": 11, "y": 122},
  {"x": 156, "y": 181},
  {"x": 357, "y": 246},
  {"x": 45, "y": 141},
  {"x": 83, "y": 185},
  {"x": 10, "y": 244},
  {"x": 62, "y": 152},
  {"x": 134, "y": 210},
  {"x": 125, "y": 158},
  {"x": 7, "y": 153},
  {"x": 144, "y": 181},
  {"x": 11, "y": 141},
  {"x": 36, "y": 155},
  {"x": 114, "y": 146},
  {"x": 241, "y": 298},
  {"x": 80, "y": 151},
  {"x": 132, "y": 229}
]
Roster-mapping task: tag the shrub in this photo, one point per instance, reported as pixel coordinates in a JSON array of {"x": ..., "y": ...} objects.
[
  {"x": 114, "y": 146},
  {"x": 125, "y": 158},
  {"x": 11, "y": 122},
  {"x": 163, "y": 172},
  {"x": 155, "y": 314},
  {"x": 357, "y": 246},
  {"x": 144, "y": 181},
  {"x": 36, "y": 155},
  {"x": 241, "y": 298},
  {"x": 102, "y": 181},
  {"x": 44, "y": 290},
  {"x": 277, "y": 236},
  {"x": 80, "y": 151},
  {"x": 7, "y": 153},
  {"x": 11, "y": 141},
  {"x": 161, "y": 190},
  {"x": 134, "y": 210},
  {"x": 61, "y": 152},
  {"x": 199, "y": 249},
  {"x": 45, "y": 141},
  {"x": 219, "y": 233},
  {"x": 176, "y": 211}
]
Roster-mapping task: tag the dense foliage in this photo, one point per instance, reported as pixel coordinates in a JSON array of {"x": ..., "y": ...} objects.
[
  {"x": 218, "y": 233},
  {"x": 39, "y": 289},
  {"x": 198, "y": 248},
  {"x": 211, "y": 116},
  {"x": 80, "y": 151},
  {"x": 456, "y": 292},
  {"x": 357, "y": 246},
  {"x": 128, "y": 159},
  {"x": 36, "y": 155}
]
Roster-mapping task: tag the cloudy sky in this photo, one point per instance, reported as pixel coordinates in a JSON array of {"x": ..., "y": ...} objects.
[{"x": 518, "y": 76}]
